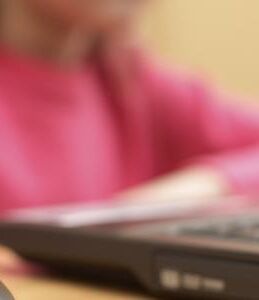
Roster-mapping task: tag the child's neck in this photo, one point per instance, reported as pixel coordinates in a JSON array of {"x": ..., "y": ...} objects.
[{"x": 31, "y": 35}]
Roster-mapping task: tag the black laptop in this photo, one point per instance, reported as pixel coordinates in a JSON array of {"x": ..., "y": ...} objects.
[{"x": 184, "y": 249}]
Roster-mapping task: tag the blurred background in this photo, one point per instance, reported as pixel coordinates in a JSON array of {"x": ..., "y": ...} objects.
[{"x": 218, "y": 37}]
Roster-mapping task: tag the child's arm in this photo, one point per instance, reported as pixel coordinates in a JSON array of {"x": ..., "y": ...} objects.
[
  {"x": 192, "y": 182},
  {"x": 215, "y": 143}
]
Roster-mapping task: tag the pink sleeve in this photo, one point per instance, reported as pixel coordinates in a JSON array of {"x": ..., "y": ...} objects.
[{"x": 200, "y": 125}]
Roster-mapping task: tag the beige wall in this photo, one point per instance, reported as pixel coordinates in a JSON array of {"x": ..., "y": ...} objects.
[{"x": 219, "y": 36}]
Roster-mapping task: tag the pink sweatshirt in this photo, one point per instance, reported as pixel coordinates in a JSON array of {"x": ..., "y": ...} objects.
[{"x": 81, "y": 136}]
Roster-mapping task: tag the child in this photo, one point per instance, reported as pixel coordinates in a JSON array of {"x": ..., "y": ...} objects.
[{"x": 85, "y": 116}]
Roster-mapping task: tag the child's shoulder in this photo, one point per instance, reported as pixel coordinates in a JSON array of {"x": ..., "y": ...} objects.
[
  {"x": 159, "y": 76},
  {"x": 157, "y": 71}
]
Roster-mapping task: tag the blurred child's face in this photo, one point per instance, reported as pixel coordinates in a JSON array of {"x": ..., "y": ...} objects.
[{"x": 88, "y": 15}]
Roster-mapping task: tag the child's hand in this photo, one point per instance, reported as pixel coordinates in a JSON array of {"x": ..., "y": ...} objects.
[{"x": 189, "y": 183}]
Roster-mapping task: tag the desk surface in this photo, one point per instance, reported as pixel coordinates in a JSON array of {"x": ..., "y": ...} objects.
[{"x": 28, "y": 285}]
